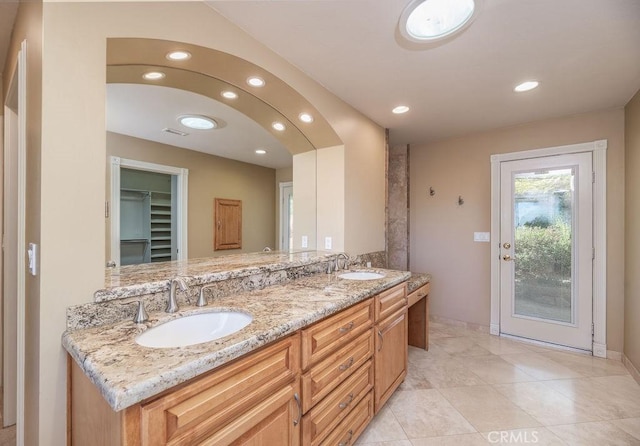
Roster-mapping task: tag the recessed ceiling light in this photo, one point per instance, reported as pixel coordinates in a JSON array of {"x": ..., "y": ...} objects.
[
  {"x": 153, "y": 75},
  {"x": 256, "y": 81},
  {"x": 278, "y": 126},
  {"x": 197, "y": 122},
  {"x": 179, "y": 55},
  {"x": 428, "y": 20},
  {"x": 306, "y": 117},
  {"x": 526, "y": 86},
  {"x": 261, "y": 151},
  {"x": 229, "y": 94},
  {"x": 400, "y": 109}
]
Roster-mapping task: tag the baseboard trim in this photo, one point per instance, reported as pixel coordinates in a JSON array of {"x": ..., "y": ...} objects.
[
  {"x": 494, "y": 329},
  {"x": 456, "y": 323},
  {"x": 599, "y": 350},
  {"x": 633, "y": 371},
  {"x": 614, "y": 355}
]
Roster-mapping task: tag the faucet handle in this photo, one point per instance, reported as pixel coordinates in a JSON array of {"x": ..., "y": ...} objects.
[{"x": 141, "y": 314}]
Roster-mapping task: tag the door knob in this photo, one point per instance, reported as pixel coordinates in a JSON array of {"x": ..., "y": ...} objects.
[
  {"x": 506, "y": 245},
  {"x": 507, "y": 257}
]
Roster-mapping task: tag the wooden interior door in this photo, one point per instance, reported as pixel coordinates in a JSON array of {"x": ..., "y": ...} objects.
[{"x": 228, "y": 224}]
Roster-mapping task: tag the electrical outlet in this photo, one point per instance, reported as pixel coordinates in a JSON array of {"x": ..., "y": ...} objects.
[
  {"x": 327, "y": 243},
  {"x": 305, "y": 241}
]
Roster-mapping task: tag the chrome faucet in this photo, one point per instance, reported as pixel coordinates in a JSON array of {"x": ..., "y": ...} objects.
[
  {"x": 202, "y": 300},
  {"x": 344, "y": 256},
  {"x": 172, "y": 304}
]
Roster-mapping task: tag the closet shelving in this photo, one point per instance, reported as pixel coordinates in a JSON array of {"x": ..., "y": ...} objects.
[{"x": 146, "y": 225}]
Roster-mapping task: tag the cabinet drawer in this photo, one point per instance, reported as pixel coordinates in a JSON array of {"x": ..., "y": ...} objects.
[
  {"x": 337, "y": 405},
  {"x": 324, "y": 337},
  {"x": 418, "y": 294},
  {"x": 390, "y": 301},
  {"x": 201, "y": 407},
  {"x": 329, "y": 373},
  {"x": 347, "y": 432}
]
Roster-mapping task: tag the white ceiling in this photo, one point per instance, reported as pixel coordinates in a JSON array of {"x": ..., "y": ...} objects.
[
  {"x": 584, "y": 53},
  {"x": 143, "y": 111}
]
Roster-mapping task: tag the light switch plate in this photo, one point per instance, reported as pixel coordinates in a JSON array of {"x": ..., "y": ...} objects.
[
  {"x": 305, "y": 241},
  {"x": 32, "y": 254},
  {"x": 481, "y": 236},
  {"x": 327, "y": 243}
]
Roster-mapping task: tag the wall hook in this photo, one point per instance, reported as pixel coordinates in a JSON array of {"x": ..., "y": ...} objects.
[
  {"x": 432, "y": 192},
  {"x": 460, "y": 200}
]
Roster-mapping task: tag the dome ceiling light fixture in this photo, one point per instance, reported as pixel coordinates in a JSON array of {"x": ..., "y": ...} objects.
[
  {"x": 197, "y": 122},
  {"x": 526, "y": 86},
  {"x": 400, "y": 109},
  {"x": 179, "y": 55},
  {"x": 426, "y": 21}
]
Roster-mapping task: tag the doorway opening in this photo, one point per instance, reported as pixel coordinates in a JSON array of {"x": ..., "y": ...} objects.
[
  {"x": 148, "y": 212},
  {"x": 548, "y": 256},
  {"x": 286, "y": 216}
]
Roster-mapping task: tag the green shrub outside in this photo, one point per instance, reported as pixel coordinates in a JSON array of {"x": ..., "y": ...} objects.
[{"x": 543, "y": 251}]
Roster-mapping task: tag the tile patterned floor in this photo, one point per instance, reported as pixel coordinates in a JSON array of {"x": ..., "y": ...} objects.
[{"x": 472, "y": 389}]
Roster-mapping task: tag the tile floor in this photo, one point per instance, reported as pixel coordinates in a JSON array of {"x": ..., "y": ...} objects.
[{"x": 472, "y": 389}]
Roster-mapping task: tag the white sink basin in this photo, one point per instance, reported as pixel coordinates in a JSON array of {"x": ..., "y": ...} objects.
[
  {"x": 195, "y": 329},
  {"x": 361, "y": 275}
]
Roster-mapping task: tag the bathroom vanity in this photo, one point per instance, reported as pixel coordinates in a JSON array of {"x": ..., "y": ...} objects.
[{"x": 320, "y": 358}]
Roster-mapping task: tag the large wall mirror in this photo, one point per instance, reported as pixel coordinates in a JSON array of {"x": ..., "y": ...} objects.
[{"x": 185, "y": 133}]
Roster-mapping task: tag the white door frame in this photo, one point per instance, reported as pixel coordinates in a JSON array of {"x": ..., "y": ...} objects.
[
  {"x": 16, "y": 120},
  {"x": 283, "y": 221},
  {"x": 599, "y": 151},
  {"x": 182, "y": 208}
]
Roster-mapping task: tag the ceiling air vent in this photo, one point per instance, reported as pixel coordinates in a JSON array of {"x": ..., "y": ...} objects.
[{"x": 174, "y": 131}]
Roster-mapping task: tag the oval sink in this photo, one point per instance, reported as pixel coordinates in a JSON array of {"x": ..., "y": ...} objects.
[
  {"x": 194, "y": 329},
  {"x": 361, "y": 275}
]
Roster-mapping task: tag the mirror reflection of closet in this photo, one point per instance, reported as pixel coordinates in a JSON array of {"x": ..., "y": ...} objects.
[{"x": 147, "y": 217}]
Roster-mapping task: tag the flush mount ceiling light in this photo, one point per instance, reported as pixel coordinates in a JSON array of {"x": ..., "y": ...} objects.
[
  {"x": 431, "y": 20},
  {"x": 197, "y": 122},
  {"x": 306, "y": 117},
  {"x": 261, "y": 151},
  {"x": 179, "y": 55},
  {"x": 256, "y": 81},
  {"x": 153, "y": 75},
  {"x": 229, "y": 94},
  {"x": 400, "y": 109},
  {"x": 526, "y": 86},
  {"x": 278, "y": 126}
]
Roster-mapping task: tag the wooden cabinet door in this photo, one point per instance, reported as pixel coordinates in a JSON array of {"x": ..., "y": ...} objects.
[
  {"x": 228, "y": 224},
  {"x": 390, "y": 356}
]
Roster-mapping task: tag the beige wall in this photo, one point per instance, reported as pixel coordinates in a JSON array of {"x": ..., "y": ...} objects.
[
  {"x": 442, "y": 232},
  {"x": 305, "y": 202},
  {"x": 74, "y": 149},
  {"x": 210, "y": 177},
  {"x": 29, "y": 26},
  {"x": 632, "y": 237}
]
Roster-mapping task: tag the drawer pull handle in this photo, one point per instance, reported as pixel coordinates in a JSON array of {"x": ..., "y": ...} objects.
[
  {"x": 297, "y": 398},
  {"x": 344, "y": 404},
  {"x": 421, "y": 295},
  {"x": 381, "y": 336},
  {"x": 346, "y": 328},
  {"x": 346, "y": 365},
  {"x": 345, "y": 443}
]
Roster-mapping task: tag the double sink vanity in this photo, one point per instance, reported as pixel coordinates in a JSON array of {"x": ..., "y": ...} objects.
[{"x": 302, "y": 357}]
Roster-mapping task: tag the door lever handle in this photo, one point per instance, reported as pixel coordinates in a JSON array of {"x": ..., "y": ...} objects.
[{"x": 508, "y": 258}]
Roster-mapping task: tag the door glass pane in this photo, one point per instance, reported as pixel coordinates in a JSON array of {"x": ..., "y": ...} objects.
[{"x": 543, "y": 215}]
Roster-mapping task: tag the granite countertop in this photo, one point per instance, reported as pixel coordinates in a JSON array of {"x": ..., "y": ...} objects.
[
  {"x": 417, "y": 280},
  {"x": 127, "y": 373},
  {"x": 136, "y": 280}
]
